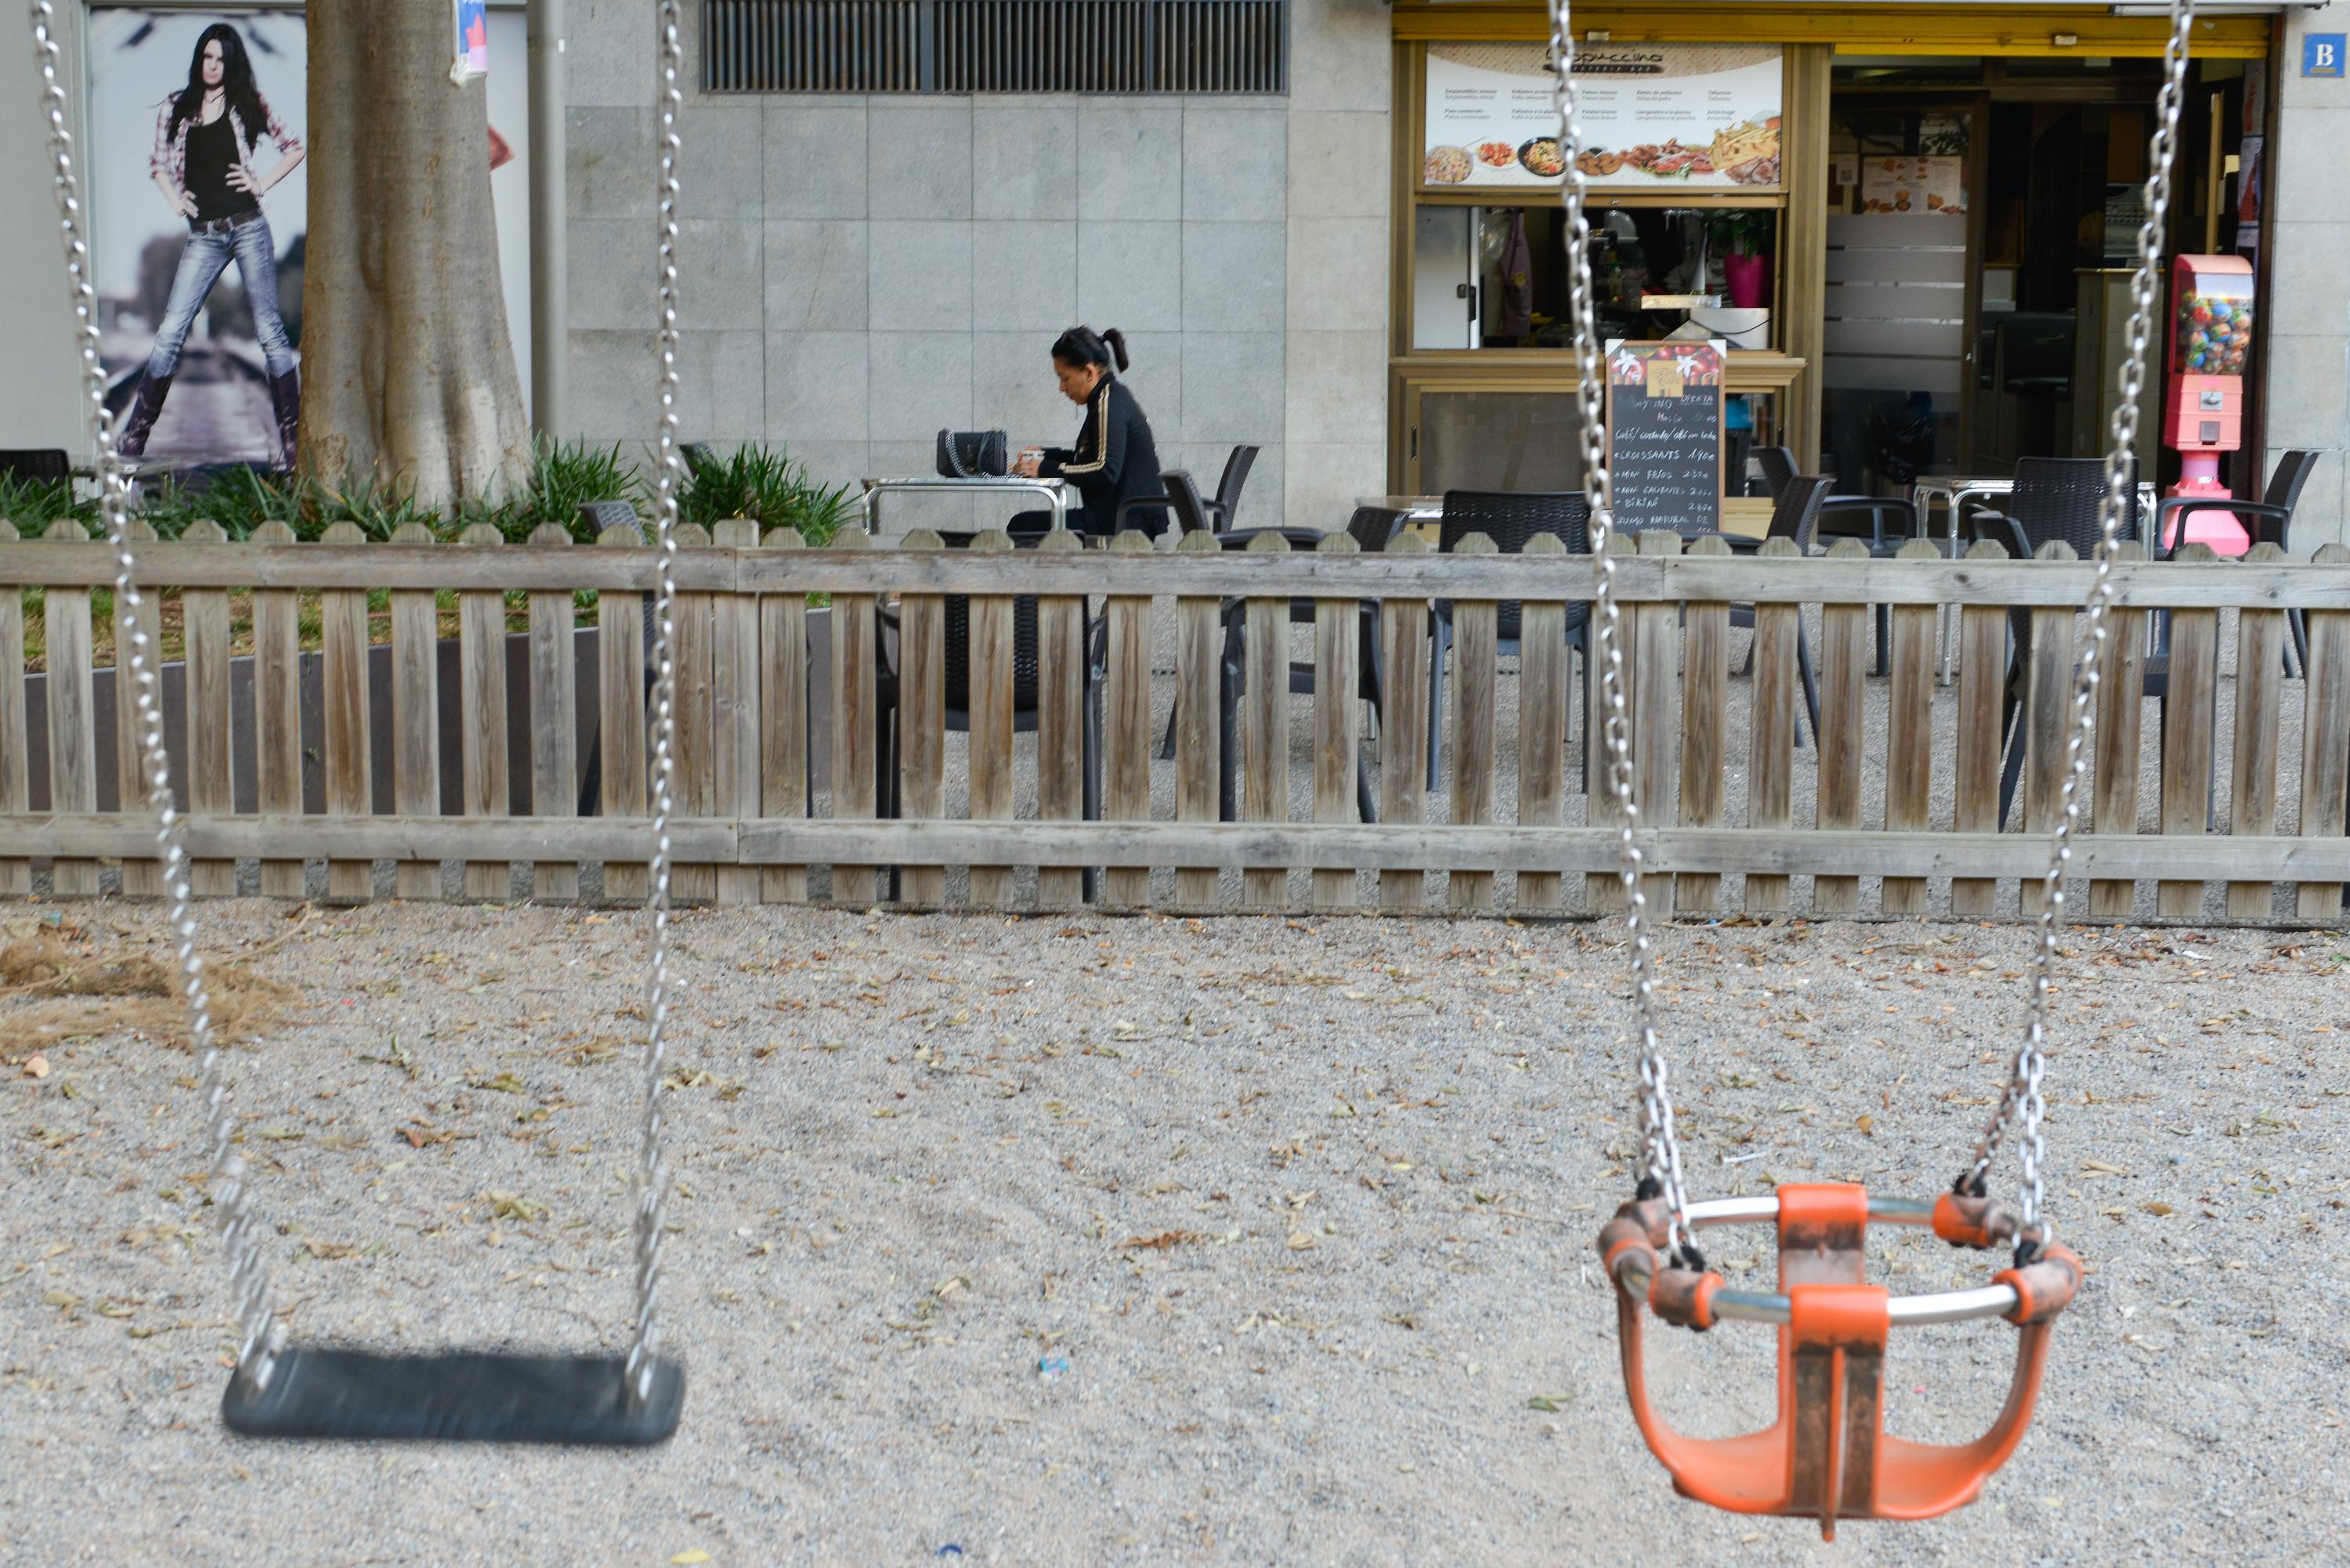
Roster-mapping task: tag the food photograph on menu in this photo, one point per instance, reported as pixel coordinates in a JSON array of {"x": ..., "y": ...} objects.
[{"x": 1655, "y": 116}]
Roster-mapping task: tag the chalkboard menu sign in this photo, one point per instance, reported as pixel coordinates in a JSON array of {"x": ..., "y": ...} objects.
[{"x": 1664, "y": 435}]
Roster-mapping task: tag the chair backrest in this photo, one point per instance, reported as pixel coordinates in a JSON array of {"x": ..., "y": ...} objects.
[
  {"x": 956, "y": 671},
  {"x": 1796, "y": 512},
  {"x": 1372, "y": 527},
  {"x": 599, "y": 515},
  {"x": 2059, "y": 498},
  {"x": 1510, "y": 519},
  {"x": 2293, "y": 471},
  {"x": 1183, "y": 500},
  {"x": 1236, "y": 472},
  {"x": 1778, "y": 466},
  {"x": 42, "y": 465}
]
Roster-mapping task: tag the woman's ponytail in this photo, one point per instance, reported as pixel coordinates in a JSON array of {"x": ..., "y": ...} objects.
[{"x": 1084, "y": 346}]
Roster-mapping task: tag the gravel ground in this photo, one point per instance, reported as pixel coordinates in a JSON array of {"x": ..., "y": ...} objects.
[{"x": 1106, "y": 1242}]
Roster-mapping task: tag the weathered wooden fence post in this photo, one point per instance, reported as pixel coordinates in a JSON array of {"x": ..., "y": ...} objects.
[
  {"x": 142, "y": 876},
  {"x": 621, "y": 713},
  {"x": 15, "y": 774},
  {"x": 1771, "y": 768},
  {"x": 1982, "y": 712},
  {"x": 2325, "y": 740},
  {"x": 1909, "y": 739},
  {"x": 1264, "y": 750},
  {"x": 1124, "y": 732},
  {"x": 2189, "y": 717},
  {"x": 1337, "y": 699},
  {"x": 784, "y": 721},
  {"x": 2121, "y": 697},
  {"x": 734, "y": 710},
  {"x": 1543, "y": 710},
  {"x": 482, "y": 713},
  {"x": 1406, "y": 647},
  {"x": 1705, "y": 726},
  {"x": 1198, "y": 721},
  {"x": 212, "y": 789},
  {"x": 2253, "y": 767},
  {"x": 1475, "y": 657},
  {"x": 73, "y": 711},
  {"x": 995, "y": 678},
  {"x": 343, "y": 673}
]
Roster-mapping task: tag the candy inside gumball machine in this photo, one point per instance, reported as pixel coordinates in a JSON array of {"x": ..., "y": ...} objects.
[{"x": 2212, "y": 308}]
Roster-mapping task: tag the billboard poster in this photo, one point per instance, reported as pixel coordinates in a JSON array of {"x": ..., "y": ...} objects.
[
  {"x": 201, "y": 313},
  {"x": 473, "y": 41},
  {"x": 1655, "y": 116},
  {"x": 200, "y": 218}
]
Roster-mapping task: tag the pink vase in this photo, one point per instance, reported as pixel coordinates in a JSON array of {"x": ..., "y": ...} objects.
[{"x": 1749, "y": 278}]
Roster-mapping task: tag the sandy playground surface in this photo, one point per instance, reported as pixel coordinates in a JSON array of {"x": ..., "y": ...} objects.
[{"x": 1083, "y": 1241}]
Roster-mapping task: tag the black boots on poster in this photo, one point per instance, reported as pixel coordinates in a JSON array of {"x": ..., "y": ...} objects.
[
  {"x": 145, "y": 405},
  {"x": 285, "y": 398}
]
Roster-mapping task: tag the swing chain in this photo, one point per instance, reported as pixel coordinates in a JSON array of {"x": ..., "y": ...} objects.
[
  {"x": 232, "y": 1195},
  {"x": 652, "y": 1175},
  {"x": 1661, "y": 1152},
  {"x": 2022, "y": 1100}
]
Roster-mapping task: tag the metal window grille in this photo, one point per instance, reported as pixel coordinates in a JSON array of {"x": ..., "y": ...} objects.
[{"x": 996, "y": 46}]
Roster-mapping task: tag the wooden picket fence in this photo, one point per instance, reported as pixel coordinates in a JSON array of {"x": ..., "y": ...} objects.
[{"x": 749, "y": 829}]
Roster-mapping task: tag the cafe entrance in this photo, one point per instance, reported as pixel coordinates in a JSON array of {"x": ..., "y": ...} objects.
[
  {"x": 1971, "y": 317},
  {"x": 1981, "y": 230}
]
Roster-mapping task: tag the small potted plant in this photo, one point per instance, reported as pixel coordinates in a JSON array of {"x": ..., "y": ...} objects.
[{"x": 1743, "y": 238}]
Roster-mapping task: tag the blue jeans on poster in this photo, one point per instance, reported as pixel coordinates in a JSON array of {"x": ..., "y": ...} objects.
[{"x": 205, "y": 258}]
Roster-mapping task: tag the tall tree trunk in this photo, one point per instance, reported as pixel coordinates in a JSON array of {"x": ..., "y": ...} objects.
[{"x": 408, "y": 369}]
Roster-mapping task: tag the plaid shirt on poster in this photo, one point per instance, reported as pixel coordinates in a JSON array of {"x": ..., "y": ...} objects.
[{"x": 171, "y": 155}]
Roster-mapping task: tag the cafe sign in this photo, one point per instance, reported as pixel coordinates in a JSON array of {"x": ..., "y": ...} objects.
[{"x": 1656, "y": 117}]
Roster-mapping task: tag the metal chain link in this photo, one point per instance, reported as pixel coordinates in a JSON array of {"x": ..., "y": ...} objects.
[
  {"x": 1661, "y": 1153},
  {"x": 258, "y": 1343},
  {"x": 652, "y": 1175},
  {"x": 2023, "y": 1100}
]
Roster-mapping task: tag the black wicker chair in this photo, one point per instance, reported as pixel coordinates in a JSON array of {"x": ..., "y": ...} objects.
[
  {"x": 1225, "y": 506},
  {"x": 1181, "y": 500},
  {"x": 1795, "y": 516},
  {"x": 1370, "y": 527},
  {"x": 38, "y": 466},
  {"x": 2271, "y": 517},
  {"x": 2055, "y": 499},
  {"x": 1509, "y": 519},
  {"x": 1027, "y": 704},
  {"x": 1861, "y": 517},
  {"x": 1368, "y": 687}
]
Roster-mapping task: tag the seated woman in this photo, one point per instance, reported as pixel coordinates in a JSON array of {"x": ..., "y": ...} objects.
[{"x": 1114, "y": 459}]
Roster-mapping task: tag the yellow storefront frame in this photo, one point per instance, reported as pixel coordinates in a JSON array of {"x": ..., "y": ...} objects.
[
  {"x": 1856, "y": 29},
  {"x": 1812, "y": 35}
]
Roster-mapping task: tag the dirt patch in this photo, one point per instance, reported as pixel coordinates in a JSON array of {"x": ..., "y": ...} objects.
[{"x": 77, "y": 988}]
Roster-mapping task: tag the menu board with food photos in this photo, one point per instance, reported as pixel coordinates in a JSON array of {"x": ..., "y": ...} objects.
[
  {"x": 1923, "y": 185},
  {"x": 1664, "y": 435},
  {"x": 1655, "y": 116}
]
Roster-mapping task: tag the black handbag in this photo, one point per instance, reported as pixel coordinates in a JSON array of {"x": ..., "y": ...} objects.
[{"x": 973, "y": 454}]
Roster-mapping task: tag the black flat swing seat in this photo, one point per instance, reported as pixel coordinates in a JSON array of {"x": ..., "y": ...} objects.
[{"x": 457, "y": 1397}]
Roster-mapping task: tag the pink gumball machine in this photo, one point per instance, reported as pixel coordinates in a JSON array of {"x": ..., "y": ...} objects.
[{"x": 2212, "y": 312}]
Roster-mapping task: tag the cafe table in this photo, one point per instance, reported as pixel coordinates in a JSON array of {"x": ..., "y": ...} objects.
[{"x": 1054, "y": 493}]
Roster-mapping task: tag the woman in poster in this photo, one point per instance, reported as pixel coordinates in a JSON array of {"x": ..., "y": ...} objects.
[{"x": 206, "y": 138}]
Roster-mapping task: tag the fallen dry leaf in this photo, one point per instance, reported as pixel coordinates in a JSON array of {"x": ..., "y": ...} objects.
[{"x": 1161, "y": 1242}]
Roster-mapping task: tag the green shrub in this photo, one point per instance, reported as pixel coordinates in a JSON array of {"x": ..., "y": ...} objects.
[
  {"x": 563, "y": 479},
  {"x": 762, "y": 485},
  {"x": 755, "y": 481},
  {"x": 33, "y": 505}
]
